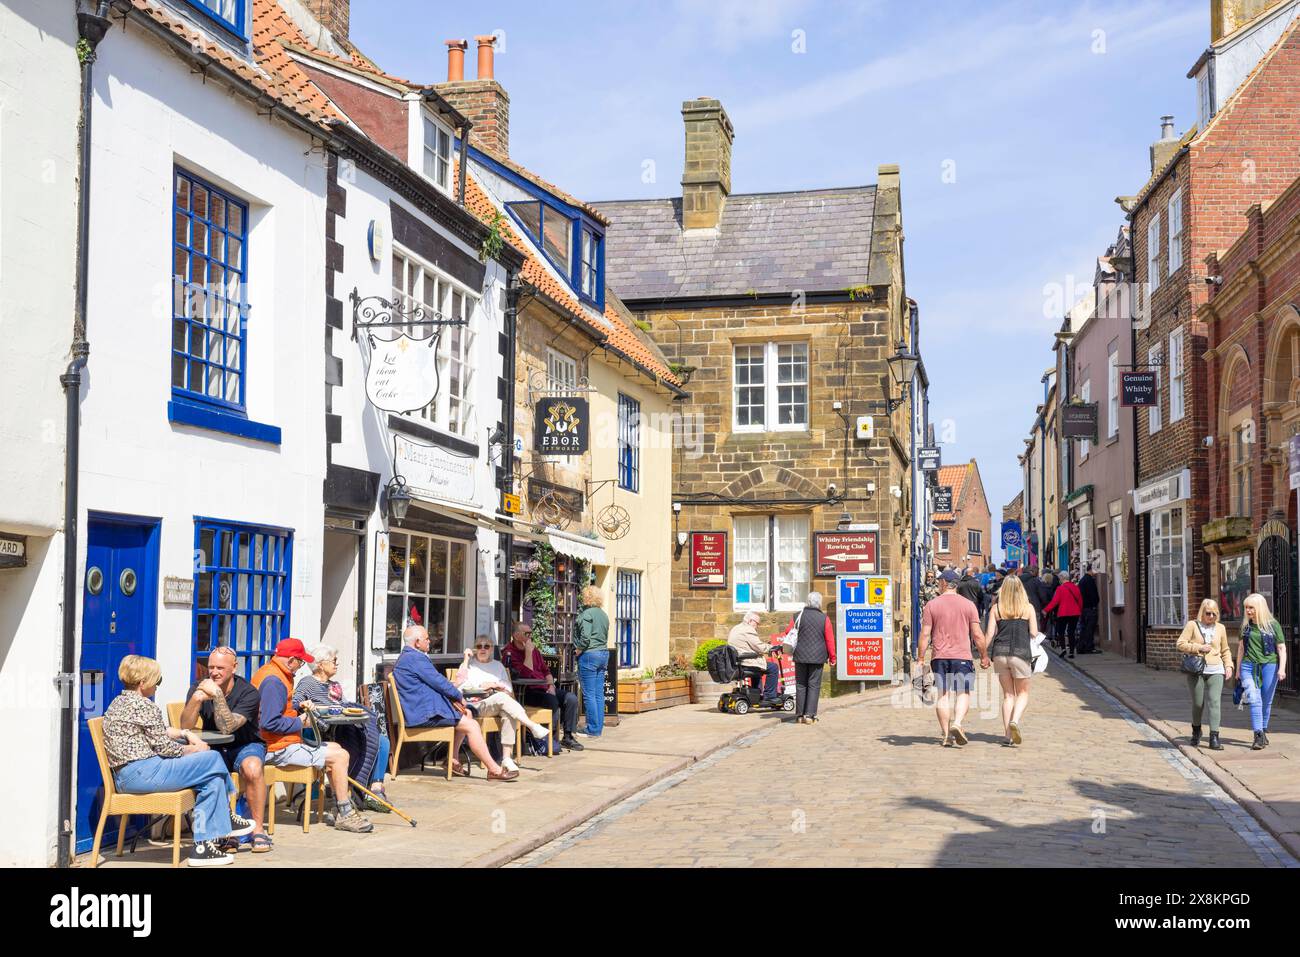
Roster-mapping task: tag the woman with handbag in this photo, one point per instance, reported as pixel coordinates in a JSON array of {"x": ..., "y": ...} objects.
[
  {"x": 1261, "y": 664},
  {"x": 1011, "y": 623},
  {"x": 1207, "y": 660}
]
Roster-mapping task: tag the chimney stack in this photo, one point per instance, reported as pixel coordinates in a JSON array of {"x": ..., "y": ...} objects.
[
  {"x": 333, "y": 15},
  {"x": 706, "y": 177},
  {"x": 482, "y": 100},
  {"x": 456, "y": 60},
  {"x": 1163, "y": 149}
]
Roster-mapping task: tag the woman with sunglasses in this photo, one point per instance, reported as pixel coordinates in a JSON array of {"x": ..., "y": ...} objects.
[
  {"x": 1207, "y": 639},
  {"x": 145, "y": 756}
]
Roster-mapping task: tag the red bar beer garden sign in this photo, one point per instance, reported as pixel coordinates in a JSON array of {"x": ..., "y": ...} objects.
[
  {"x": 708, "y": 560},
  {"x": 845, "y": 552}
]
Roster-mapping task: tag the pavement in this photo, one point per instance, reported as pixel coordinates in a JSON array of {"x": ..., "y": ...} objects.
[
  {"x": 1266, "y": 783},
  {"x": 1099, "y": 780}
]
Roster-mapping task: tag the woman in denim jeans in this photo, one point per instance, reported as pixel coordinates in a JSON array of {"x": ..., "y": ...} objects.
[
  {"x": 592, "y": 646},
  {"x": 1261, "y": 664}
]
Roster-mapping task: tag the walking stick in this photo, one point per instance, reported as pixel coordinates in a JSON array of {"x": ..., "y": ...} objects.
[{"x": 311, "y": 715}]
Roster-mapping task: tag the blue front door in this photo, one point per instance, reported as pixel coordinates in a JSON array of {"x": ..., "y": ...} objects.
[{"x": 118, "y": 619}]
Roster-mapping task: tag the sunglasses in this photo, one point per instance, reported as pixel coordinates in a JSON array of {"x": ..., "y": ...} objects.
[{"x": 479, "y": 647}]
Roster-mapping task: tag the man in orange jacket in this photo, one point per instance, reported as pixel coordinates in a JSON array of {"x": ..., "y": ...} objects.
[{"x": 281, "y": 729}]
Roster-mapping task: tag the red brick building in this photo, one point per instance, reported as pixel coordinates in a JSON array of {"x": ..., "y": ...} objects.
[
  {"x": 963, "y": 536},
  {"x": 1201, "y": 185},
  {"x": 1253, "y": 372}
]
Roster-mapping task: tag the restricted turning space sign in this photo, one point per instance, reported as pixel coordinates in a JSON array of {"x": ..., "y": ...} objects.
[{"x": 864, "y": 632}]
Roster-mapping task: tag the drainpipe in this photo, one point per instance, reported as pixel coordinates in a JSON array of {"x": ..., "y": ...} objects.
[
  {"x": 508, "y": 446},
  {"x": 91, "y": 28}
]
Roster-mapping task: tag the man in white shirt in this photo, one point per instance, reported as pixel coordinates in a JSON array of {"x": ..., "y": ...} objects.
[{"x": 481, "y": 674}]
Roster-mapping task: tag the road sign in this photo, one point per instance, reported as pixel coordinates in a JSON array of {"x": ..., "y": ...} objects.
[
  {"x": 864, "y": 632},
  {"x": 509, "y": 503}
]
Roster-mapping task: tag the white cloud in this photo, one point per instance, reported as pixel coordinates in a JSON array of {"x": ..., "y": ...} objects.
[{"x": 729, "y": 25}]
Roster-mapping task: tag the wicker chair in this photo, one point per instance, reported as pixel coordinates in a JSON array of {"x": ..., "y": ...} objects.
[
  {"x": 492, "y": 722},
  {"x": 174, "y": 804},
  {"x": 414, "y": 735},
  {"x": 289, "y": 777},
  {"x": 174, "y": 709}
]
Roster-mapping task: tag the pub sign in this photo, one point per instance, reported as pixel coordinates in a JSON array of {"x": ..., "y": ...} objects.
[
  {"x": 708, "y": 560},
  {"x": 1079, "y": 421},
  {"x": 561, "y": 426}
]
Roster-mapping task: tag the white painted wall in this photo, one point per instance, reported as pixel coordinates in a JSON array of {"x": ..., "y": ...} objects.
[
  {"x": 366, "y": 442},
  {"x": 39, "y": 93}
]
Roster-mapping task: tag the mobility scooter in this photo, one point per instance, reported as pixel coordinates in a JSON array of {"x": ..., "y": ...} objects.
[{"x": 725, "y": 666}]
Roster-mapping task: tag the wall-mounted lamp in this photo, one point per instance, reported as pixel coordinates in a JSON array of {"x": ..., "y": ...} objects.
[
  {"x": 397, "y": 498},
  {"x": 902, "y": 366},
  {"x": 681, "y": 543}
]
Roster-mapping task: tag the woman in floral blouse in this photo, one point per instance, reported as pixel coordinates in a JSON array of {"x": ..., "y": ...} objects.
[{"x": 147, "y": 757}]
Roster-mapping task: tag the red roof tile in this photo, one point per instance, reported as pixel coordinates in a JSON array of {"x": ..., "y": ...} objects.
[{"x": 954, "y": 475}]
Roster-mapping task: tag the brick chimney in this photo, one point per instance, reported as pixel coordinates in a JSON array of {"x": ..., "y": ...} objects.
[
  {"x": 706, "y": 177},
  {"x": 1165, "y": 147},
  {"x": 482, "y": 100},
  {"x": 333, "y": 15}
]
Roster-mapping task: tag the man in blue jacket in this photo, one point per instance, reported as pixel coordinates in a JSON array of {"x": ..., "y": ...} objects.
[{"x": 430, "y": 700}]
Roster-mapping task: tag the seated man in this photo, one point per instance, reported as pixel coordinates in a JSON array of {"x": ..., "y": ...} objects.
[
  {"x": 744, "y": 638},
  {"x": 225, "y": 702},
  {"x": 281, "y": 729},
  {"x": 429, "y": 700},
  {"x": 481, "y": 676},
  {"x": 524, "y": 659}
]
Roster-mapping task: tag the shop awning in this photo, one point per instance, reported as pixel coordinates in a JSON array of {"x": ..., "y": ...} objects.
[
  {"x": 501, "y": 525},
  {"x": 575, "y": 546}
]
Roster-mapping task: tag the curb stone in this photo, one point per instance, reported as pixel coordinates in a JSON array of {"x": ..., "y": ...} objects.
[{"x": 525, "y": 845}]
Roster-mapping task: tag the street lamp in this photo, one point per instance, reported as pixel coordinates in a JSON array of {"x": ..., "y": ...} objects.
[
  {"x": 399, "y": 499},
  {"x": 902, "y": 366}
]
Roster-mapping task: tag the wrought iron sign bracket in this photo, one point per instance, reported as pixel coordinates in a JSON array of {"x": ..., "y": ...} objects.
[
  {"x": 375, "y": 311},
  {"x": 540, "y": 384}
]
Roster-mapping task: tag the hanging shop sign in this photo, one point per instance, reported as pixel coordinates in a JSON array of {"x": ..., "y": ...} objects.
[
  {"x": 13, "y": 551},
  {"x": 1137, "y": 388},
  {"x": 561, "y": 425},
  {"x": 571, "y": 499},
  {"x": 708, "y": 560},
  {"x": 1079, "y": 421},
  {"x": 928, "y": 459},
  {"x": 864, "y": 632},
  {"x": 432, "y": 472},
  {"x": 942, "y": 499},
  {"x": 845, "y": 552},
  {"x": 1011, "y": 536},
  {"x": 403, "y": 373}
]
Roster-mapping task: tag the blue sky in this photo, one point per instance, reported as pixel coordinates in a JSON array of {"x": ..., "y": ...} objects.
[{"x": 1041, "y": 114}]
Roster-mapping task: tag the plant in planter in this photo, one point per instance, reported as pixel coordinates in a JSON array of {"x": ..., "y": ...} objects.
[
  {"x": 703, "y": 687},
  {"x": 541, "y": 595}
]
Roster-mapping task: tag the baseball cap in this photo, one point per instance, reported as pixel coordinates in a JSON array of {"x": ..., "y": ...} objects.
[
  {"x": 292, "y": 648},
  {"x": 949, "y": 576}
]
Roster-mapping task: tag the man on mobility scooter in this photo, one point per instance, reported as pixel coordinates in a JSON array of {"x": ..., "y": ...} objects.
[{"x": 750, "y": 654}]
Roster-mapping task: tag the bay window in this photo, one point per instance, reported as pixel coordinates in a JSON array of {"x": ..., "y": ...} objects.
[
  {"x": 427, "y": 585},
  {"x": 1167, "y": 569},
  {"x": 770, "y": 387},
  {"x": 771, "y": 563}
]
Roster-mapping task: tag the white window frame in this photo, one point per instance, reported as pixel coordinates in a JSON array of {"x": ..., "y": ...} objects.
[
  {"x": 1167, "y": 577},
  {"x": 1175, "y": 214},
  {"x": 1085, "y": 445},
  {"x": 561, "y": 371},
  {"x": 1203, "y": 108},
  {"x": 1154, "y": 420},
  {"x": 1112, "y": 386},
  {"x": 1117, "y": 548},
  {"x": 1085, "y": 541},
  {"x": 453, "y": 409},
  {"x": 1177, "y": 405},
  {"x": 778, "y": 531},
  {"x": 1153, "y": 252},
  {"x": 771, "y": 386},
  {"x": 941, "y": 546},
  {"x": 432, "y": 153}
]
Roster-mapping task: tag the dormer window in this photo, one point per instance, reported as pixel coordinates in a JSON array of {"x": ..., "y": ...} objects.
[
  {"x": 437, "y": 153},
  {"x": 231, "y": 14},
  {"x": 571, "y": 243}
]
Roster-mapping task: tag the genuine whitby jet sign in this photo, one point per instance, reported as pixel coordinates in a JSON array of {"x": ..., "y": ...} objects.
[
  {"x": 1137, "y": 389},
  {"x": 561, "y": 426}
]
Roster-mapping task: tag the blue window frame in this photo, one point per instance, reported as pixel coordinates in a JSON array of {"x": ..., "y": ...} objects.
[
  {"x": 629, "y": 443},
  {"x": 627, "y": 618},
  {"x": 243, "y": 577},
  {"x": 209, "y": 304},
  {"x": 228, "y": 13}
]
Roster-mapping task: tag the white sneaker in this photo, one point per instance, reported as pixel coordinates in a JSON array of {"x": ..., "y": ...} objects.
[
  {"x": 541, "y": 732},
  {"x": 509, "y": 764}
]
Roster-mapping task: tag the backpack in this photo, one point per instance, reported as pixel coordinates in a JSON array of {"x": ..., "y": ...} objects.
[{"x": 724, "y": 664}]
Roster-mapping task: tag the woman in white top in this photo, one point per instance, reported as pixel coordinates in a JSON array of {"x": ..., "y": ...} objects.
[
  {"x": 1207, "y": 638},
  {"x": 481, "y": 674}
]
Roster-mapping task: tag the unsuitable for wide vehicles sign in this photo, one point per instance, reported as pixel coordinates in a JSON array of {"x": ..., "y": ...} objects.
[{"x": 864, "y": 628}]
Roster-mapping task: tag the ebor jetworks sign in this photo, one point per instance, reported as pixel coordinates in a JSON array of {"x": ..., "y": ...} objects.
[{"x": 864, "y": 633}]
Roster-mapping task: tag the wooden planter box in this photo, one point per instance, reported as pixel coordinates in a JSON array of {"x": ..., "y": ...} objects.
[{"x": 652, "y": 694}]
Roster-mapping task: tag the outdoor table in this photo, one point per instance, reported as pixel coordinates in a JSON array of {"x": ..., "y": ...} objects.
[
  {"x": 329, "y": 721},
  {"x": 211, "y": 738}
]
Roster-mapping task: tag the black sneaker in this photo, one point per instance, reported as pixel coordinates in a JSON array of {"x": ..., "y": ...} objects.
[
  {"x": 1258, "y": 744},
  {"x": 570, "y": 743},
  {"x": 239, "y": 826},
  {"x": 208, "y": 854},
  {"x": 1265, "y": 734}
]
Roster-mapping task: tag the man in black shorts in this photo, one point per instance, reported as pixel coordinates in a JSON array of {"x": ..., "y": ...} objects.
[{"x": 953, "y": 623}]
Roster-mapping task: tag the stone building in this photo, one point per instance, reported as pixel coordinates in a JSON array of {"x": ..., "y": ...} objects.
[
  {"x": 781, "y": 310},
  {"x": 1200, "y": 186},
  {"x": 1253, "y": 373},
  {"x": 963, "y": 536}
]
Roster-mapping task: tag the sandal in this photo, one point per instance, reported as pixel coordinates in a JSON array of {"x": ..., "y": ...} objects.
[
  {"x": 460, "y": 770},
  {"x": 261, "y": 843},
  {"x": 505, "y": 775}
]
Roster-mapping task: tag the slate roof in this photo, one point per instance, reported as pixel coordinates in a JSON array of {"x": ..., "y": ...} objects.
[{"x": 813, "y": 240}]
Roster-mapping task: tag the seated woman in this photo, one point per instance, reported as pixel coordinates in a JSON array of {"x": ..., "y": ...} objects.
[
  {"x": 145, "y": 757},
  {"x": 367, "y": 745}
]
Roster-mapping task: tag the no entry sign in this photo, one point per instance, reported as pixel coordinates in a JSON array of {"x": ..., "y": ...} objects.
[{"x": 864, "y": 633}]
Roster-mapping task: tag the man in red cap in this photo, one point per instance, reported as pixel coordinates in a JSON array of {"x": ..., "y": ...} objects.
[{"x": 281, "y": 729}]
